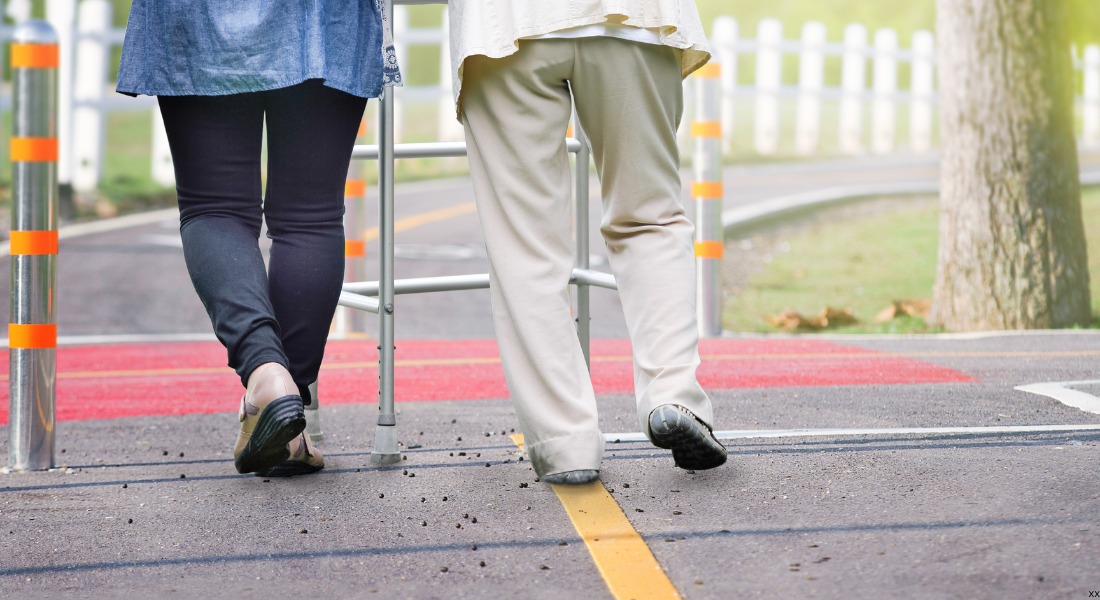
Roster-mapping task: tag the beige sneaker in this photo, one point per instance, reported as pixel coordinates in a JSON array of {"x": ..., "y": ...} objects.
[
  {"x": 271, "y": 416},
  {"x": 304, "y": 458}
]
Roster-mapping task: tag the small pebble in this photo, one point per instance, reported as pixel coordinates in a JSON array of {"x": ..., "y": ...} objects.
[
  {"x": 444, "y": 498},
  {"x": 124, "y": 486},
  {"x": 626, "y": 485},
  {"x": 676, "y": 512},
  {"x": 443, "y": 569},
  {"x": 181, "y": 454},
  {"x": 303, "y": 531},
  {"x": 473, "y": 519},
  {"x": 412, "y": 474},
  {"x": 165, "y": 453},
  {"x": 474, "y": 547},
  {"x": 523, "y": 485},
  {"x": 544, "y": 567},
  {"x": 129, "y": 520},
  {"x": 481, "y": 564},
  {"x": 638, "y": 510},
  {"x": 182, "y": 476},
  {"x": 381, "y": 495},
  {"x": 423, "y": 523}
]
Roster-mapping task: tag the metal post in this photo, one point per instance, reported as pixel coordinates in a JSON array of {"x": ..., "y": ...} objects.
[
  {"x": 707, "y": 192},
  {"x": 581, "y": 257},
  {"x": 313, "y": 415},
  {"x": 385, "y": 434},
  {"x": 32, "y": 330}
]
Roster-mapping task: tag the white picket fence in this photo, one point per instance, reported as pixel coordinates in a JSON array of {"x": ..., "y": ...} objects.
[{"x": 807, "y": 116}]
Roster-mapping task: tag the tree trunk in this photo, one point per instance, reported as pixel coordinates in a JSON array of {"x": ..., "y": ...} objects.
[{"x": 1012, "y": 245}]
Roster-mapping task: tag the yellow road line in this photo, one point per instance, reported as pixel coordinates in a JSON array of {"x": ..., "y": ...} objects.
[
  {"x": 422, "y": 219},
  {"x": 624, "y": 560}
]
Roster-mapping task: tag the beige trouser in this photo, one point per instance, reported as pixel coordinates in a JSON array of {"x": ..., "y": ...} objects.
[{"x": 629, "y": 101}]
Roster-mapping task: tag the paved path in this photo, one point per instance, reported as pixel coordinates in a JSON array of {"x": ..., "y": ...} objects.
[
  {"x": 126, "y": 277},
  {"x": 861, "y": 467}
]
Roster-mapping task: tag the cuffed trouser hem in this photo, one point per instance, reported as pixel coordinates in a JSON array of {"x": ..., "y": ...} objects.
[{"x": 567, "y": 453}]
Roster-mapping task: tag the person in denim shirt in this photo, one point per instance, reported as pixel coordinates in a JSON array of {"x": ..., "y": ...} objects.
[{"x": 221, "y": 71}]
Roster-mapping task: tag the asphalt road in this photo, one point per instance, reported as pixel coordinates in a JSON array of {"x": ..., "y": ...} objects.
[
  {"x": 860, "y": 467},
  {"x": 126, "y": 277}
]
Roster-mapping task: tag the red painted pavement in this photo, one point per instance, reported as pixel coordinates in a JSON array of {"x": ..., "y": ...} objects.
[{"x": 128, "y": 380}]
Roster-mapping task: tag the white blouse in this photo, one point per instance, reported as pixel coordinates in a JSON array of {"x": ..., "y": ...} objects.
[{"x": 494, "y": 27}]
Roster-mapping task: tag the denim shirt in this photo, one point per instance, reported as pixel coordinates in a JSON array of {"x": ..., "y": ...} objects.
[{"x": 219, "y": 47}]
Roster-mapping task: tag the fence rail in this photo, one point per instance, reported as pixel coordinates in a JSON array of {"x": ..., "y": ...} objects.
[{"x": 860, "y": 92}]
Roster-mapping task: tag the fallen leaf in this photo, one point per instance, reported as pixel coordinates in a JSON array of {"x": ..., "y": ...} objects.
[
  {"x": 903, "y": 308},
  {"x": 791, "y": 320}
]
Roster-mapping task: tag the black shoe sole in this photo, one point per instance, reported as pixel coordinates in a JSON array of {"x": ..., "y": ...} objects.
[
  {"x": 280, "y": 422},
  {"x": 693, "y": 445},
  {"x": 289, "y": 468}
]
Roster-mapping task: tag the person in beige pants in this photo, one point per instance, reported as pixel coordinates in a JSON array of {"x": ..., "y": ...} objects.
[{"x": 515, "y": 110}]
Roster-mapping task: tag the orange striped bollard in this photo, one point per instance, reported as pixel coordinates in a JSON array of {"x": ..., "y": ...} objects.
[
  {"x": 32, "y": 329},
  {"x": 706, "y": 189},
  {"x": 351, "y": 321}
]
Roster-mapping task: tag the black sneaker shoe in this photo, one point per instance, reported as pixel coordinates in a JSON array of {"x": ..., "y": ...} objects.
[{"x": 692, "y": 443}]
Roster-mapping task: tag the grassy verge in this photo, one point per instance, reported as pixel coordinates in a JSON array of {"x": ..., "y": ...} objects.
[{"x": 861, "y": 257}]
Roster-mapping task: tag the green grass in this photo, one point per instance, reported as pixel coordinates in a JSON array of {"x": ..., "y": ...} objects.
[{"x": 862, "y": 263}]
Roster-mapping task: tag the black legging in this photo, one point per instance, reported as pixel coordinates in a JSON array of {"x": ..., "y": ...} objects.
[{"x": 283, "y": 316}]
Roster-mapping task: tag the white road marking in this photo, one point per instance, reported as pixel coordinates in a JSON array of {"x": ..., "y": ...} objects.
[
  {"x": 1062, "y": 392},
  {"x": 160, "y": 239},
  {"x": 883, "y": 431}
]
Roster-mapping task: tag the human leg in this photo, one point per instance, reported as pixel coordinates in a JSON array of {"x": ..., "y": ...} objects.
[
  {"x": 311, "y": 131},
  {"x": 215, "y": 144},
  {"x": 629, "y": 101},
  {"x": 515, "y": 112}
]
